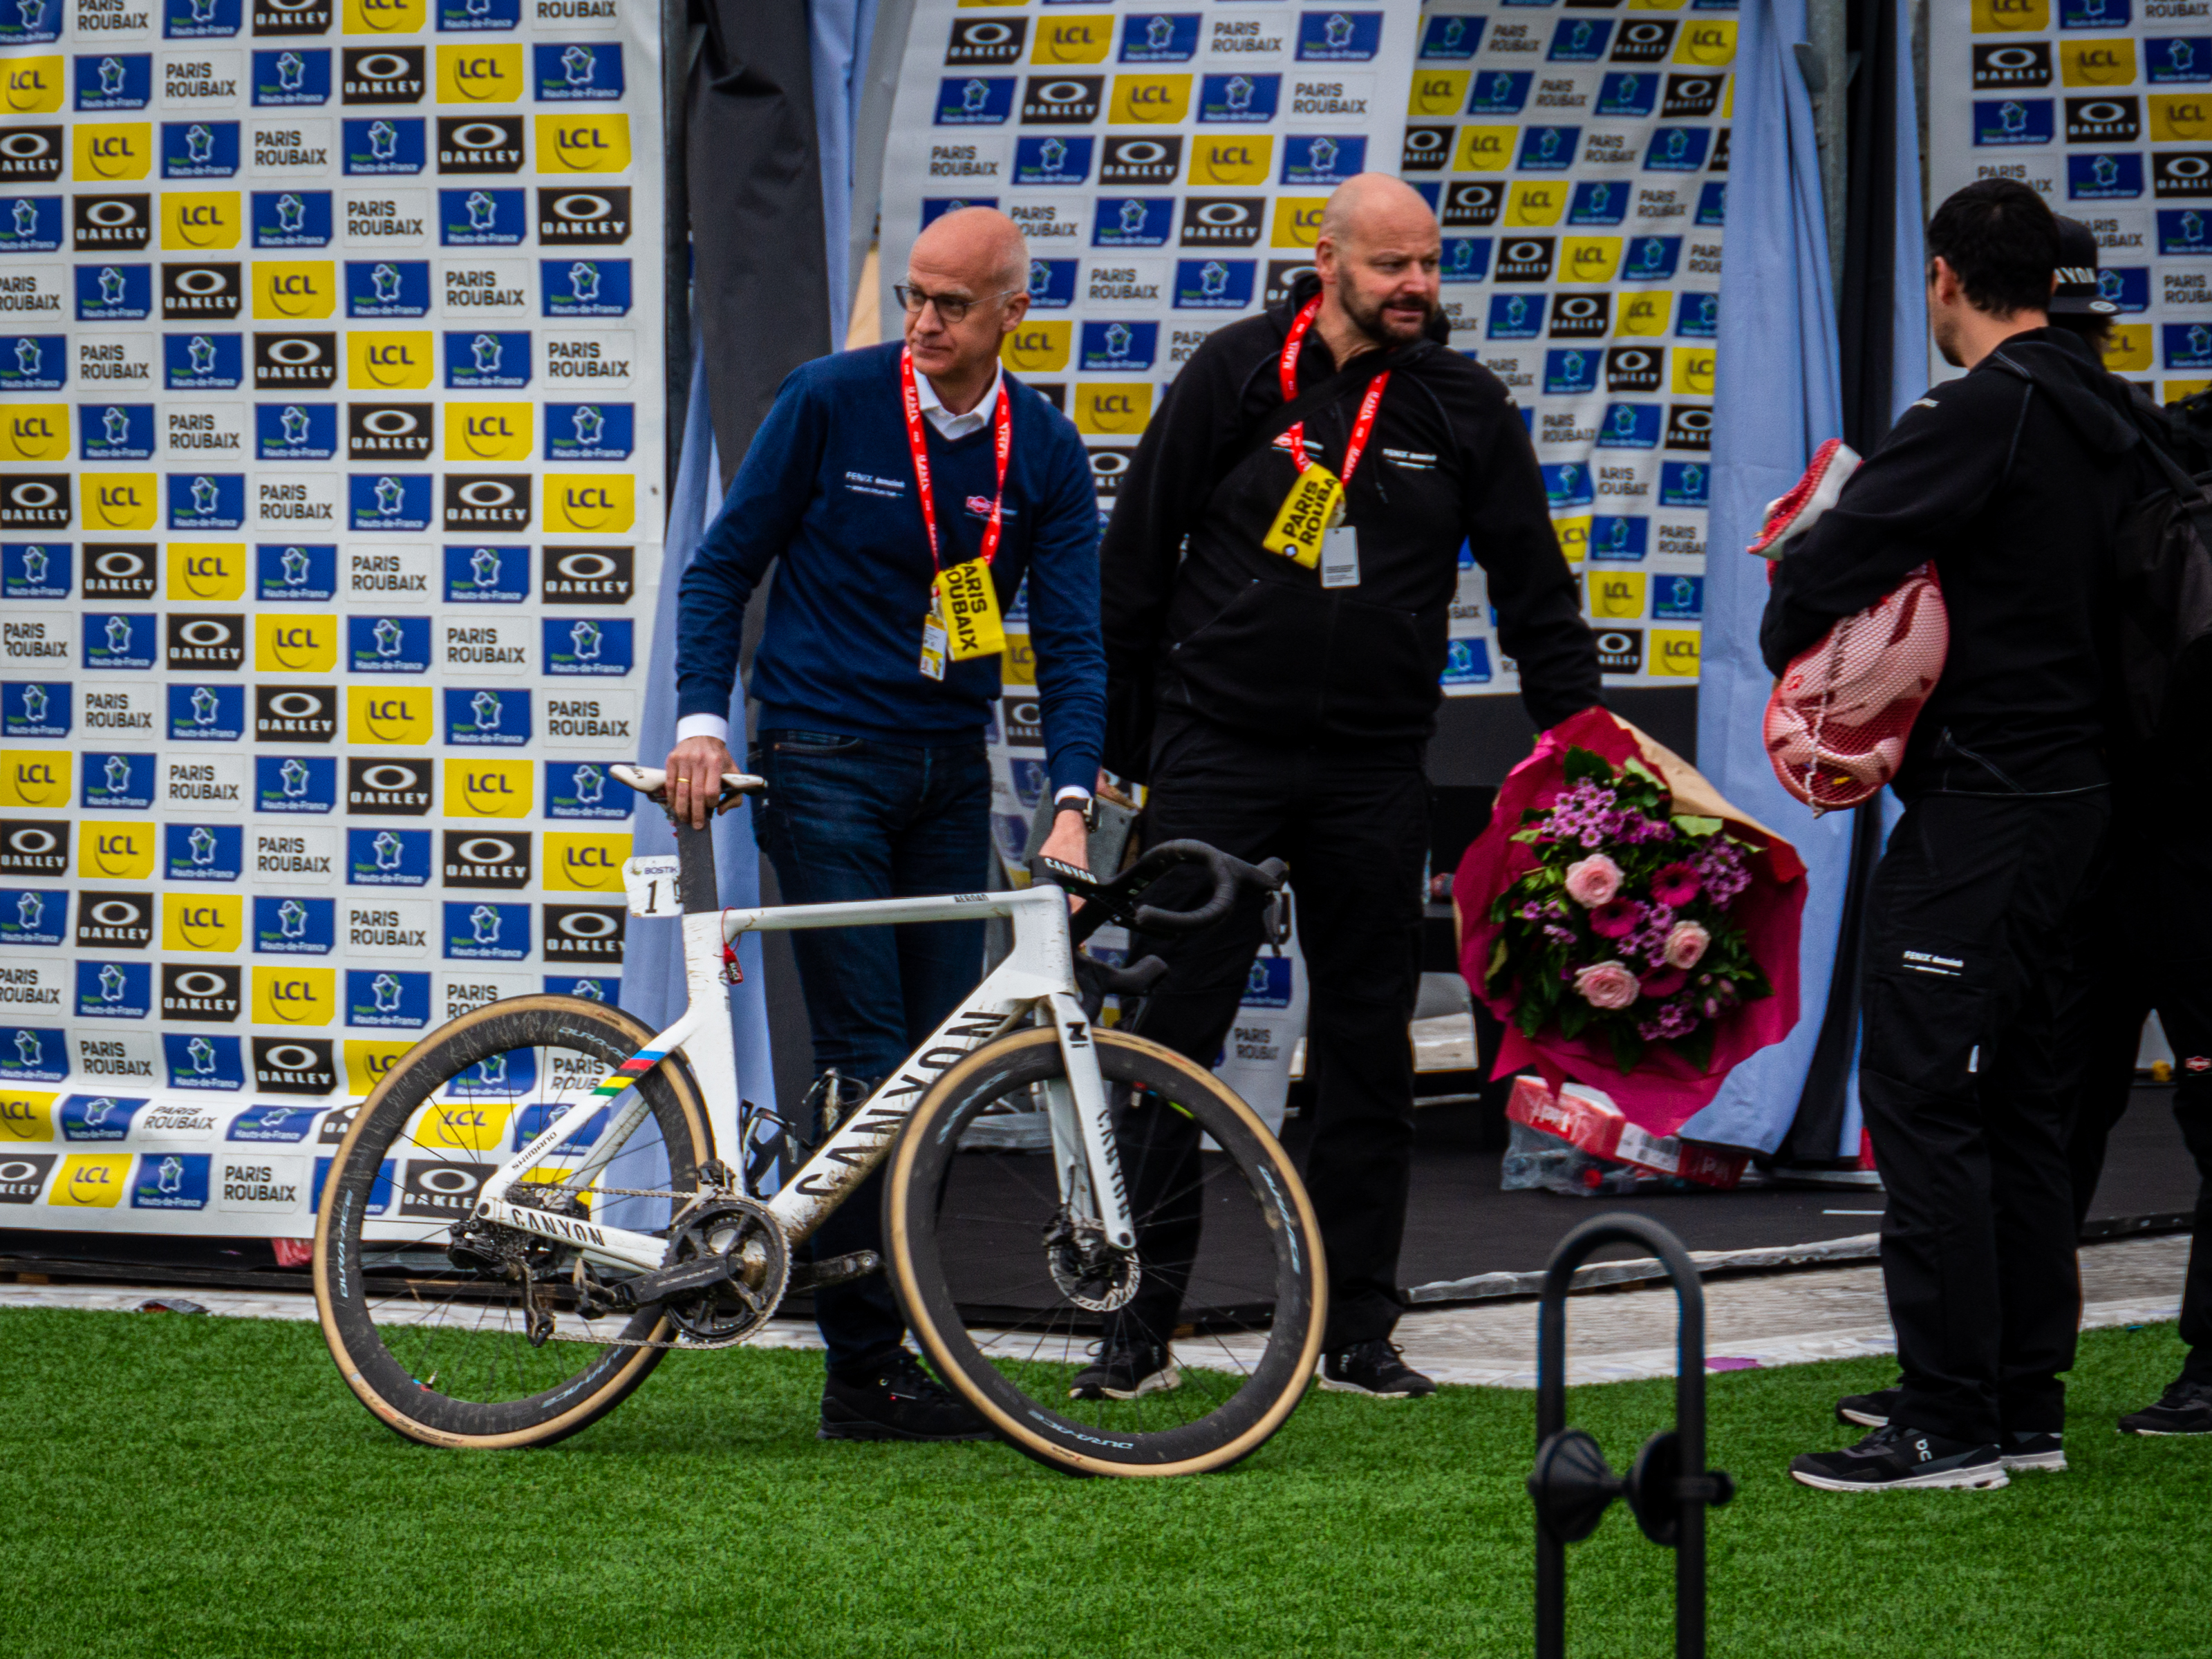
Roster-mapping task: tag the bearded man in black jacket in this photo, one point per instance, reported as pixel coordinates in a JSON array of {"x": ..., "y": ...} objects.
[{"x": 1277, "y": 581}]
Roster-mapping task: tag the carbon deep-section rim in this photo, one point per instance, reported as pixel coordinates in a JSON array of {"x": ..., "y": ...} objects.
[
  {"x": 401, "y": 1317},
  {"x": 963, "y": 1228}
]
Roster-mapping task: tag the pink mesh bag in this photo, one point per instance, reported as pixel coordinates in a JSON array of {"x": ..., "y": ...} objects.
[{"x": 1837, "y": 723}]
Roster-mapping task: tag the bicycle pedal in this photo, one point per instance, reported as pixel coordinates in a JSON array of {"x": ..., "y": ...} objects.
[{"x": 814, "y": 1275}]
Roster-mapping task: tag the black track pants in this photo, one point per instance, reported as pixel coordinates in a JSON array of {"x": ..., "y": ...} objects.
[
  {"x": 1970, "y": 979},
  {"x": 1353, "y": 825}
]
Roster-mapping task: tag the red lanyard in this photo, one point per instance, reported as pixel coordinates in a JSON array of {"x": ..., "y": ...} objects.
[
  {"x": 1002, "y": 444},
  {"x": 1289, "y": 370}
]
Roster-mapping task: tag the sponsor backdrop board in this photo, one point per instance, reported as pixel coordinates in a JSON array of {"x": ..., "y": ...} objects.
[
  {"x": 331, "y": 461},
  {"x": 1578, "y": 159},
  {"x": 2105, "y": 107}
]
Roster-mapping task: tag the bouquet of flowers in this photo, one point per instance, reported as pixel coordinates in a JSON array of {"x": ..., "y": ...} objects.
[{"x": 1633, "y": 929}]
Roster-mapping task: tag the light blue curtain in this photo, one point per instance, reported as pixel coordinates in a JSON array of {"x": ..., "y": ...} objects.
[
  {"x": 841, "y": 32},
  {"x": 1778, "y": 396}
]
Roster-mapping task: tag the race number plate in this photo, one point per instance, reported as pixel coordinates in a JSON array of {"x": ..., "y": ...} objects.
[{"x": 651, "y": 885}]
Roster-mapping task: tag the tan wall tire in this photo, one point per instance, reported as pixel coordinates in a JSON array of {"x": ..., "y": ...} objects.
[
  {"x": 605, "y": 1376},
  {"x": 922, "y": 1164}
]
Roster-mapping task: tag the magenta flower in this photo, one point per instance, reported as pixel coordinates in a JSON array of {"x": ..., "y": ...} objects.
[
  {"x": 1675, "y": 884},
  {"x": 1658, "y": 987},
  {"x": 1616, "y": 919}
]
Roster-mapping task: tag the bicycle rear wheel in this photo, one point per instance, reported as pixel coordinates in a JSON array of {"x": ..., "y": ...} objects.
[
  {"x": 967, "y": 1235},
  {"x": 436, "y": 1329}
]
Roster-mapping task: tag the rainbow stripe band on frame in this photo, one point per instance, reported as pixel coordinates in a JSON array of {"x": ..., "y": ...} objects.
[{"x": 629, "y": 1071}]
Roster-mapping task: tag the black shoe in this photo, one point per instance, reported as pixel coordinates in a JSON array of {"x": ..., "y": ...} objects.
[
  {"x": 1895, "y": 1458},
  {"x": 2024, "y": 1449},
  {"x": 1126, "y": 1369},
  {"x": 895, "y": 1401},
  {"x": 1868, "y": 1411},
  {"x": 1373, "y": 1368},
  {"x": 2185, "y": 1407}
]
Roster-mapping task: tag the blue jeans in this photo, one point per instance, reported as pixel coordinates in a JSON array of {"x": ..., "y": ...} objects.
[{"x": 854, "y": 818}]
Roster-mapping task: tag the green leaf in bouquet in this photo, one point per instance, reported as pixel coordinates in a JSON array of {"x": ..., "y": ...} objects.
[
  {"x": 1574, "y": 1018},
  {"x": 1497, "y": 955},
  {"x": 1627, "y": 1047},
  {"x": 1586, "y": 764},
  {"x": 1697, "y": 1047},
  {"x": 1690, "y": 824}
]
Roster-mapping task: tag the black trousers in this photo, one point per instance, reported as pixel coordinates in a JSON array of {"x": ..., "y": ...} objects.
[
  {"x": 1972, "y": 979},
  {"x": 1353, "y": 826},
  {"x": 2147, "y": 948}
]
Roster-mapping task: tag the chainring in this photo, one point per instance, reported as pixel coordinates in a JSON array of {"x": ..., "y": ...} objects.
[{"x": 725, "y": 1315}]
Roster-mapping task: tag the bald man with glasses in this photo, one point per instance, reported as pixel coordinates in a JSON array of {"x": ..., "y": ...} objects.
[{"x": 908, "y": 489}]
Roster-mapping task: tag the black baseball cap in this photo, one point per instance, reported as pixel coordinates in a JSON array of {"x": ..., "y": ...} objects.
[{"x": 2078, "y": 294}]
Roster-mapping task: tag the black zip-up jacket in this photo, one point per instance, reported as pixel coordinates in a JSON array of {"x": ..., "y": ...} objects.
[
  {"x": 1198, "y": 614},
  {"x": 2013, "y": 481}
]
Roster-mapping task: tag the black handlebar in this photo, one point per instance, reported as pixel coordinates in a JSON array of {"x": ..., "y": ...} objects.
[{"x": 1108, "y": 902}]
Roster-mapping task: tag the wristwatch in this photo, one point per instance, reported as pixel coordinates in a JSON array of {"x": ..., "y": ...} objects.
[{"x": 1086, "y": 805}]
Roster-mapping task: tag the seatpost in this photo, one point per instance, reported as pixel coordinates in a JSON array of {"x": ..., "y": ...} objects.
[{"x": 695, "y": 866}]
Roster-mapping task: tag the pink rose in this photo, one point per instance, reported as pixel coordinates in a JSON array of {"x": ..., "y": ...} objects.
[
  {"x": 1593, "y": 881},
  {"x": 1686, "y": 945},
  {"x": 1606, "y": 985}
]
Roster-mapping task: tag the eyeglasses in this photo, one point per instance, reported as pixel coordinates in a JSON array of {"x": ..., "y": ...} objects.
[{"x": 950, "y": 308}]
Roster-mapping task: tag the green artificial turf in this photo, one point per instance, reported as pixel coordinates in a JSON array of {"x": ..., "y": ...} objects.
[{"x": 175, "y": 1486}]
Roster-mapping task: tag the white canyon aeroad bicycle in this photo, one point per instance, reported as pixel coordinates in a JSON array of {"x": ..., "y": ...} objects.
[{"x": 542, "y": 1198}]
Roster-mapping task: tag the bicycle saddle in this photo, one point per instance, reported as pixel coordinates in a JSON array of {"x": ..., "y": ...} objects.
[{"x": 651, "y": 781}]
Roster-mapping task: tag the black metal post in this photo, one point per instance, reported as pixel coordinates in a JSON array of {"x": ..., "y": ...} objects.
[{"x": 1669, "y": 1488}]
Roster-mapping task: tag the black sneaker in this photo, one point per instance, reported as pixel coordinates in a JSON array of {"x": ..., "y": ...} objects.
[
  {"x": 1125, "y": 1370},
  {"x": 2024, "y": 1449},
  {"x": 1868, "y": 1411},
  {"x": 2185, "y": 1407},
  {"x": 1373, "y": 1368},
  {"x": 895, "y": 1401},
  {"x": 1896, "y": 1457}
]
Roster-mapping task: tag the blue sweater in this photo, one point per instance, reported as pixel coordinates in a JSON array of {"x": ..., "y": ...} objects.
[{"x": 829, "y": 485}]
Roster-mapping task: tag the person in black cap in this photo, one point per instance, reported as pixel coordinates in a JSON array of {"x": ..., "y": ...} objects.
[
  {"x": 2154, "y": 898},
  {"x": 2012, "y": 481}
]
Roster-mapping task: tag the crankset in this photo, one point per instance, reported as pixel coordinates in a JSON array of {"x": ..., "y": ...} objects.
[{"x": 728, "y": 1266}]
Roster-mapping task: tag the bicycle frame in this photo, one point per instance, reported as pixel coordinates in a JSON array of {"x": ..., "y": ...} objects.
[{"x": 1037, "y": 976}]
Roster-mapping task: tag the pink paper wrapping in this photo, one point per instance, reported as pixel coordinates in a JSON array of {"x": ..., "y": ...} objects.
[{"x": 1665, "y": 1089}]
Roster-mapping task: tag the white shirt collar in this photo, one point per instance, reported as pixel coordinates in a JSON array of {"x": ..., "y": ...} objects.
[{"x": 948, "y": 425}]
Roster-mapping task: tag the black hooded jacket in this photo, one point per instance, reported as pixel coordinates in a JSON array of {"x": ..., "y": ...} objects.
[
  {"x": 1198, "y": 614},
  {"x": 2013, "y": 481}
]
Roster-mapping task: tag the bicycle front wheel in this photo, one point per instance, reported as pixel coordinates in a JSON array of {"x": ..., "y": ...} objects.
[
  {"x": 1229, "y": 1258},
  {"x": 458, "y": 1335}
]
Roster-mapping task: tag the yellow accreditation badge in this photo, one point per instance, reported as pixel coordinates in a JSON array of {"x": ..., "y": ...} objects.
[
  {"x": 1315, "y": 504},
  {"x": 968, "y": 603},
  {"x": 933, "y": 638}
]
